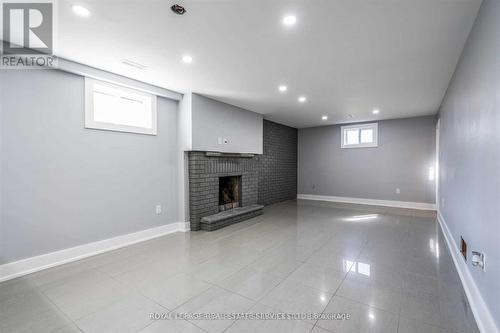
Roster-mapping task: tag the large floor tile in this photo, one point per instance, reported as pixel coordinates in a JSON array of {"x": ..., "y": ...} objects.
[
  {"x": 423, "y": 307},
  {"x": 423, "y": 266},
  {"x": 409, "y": 325},
  {"x": 128, "y": 315},
  {"x": 151, "y": 273},
  {"x": 371, "y": 294},
  {"x": 386, "y": 277},
  {"x": 458, "y": 316},
  {"x": 417, "y": 284},
  {"x": 318, "y": 329},
  {"x": 219, "y": 268},
  {"x": 251, "y": 283},
  {"x": 113, "y": 257},
  {"x": 215, "y": 301},
  {"x": 328, "y": 257},
  {"x": 294, "y": 249},
  {"x": 47, "y": 277},
  {"x": 30, "y": 311},
  {"x": 11, "y": 288},
  {"x": 363, "y": 318},
  {"x": 293, "y": 297},
  {"x": 171, "y": 326},
  {"x": 269, "y": 324},
  {"x": 70, "y": 328},
  {"x": 276, "y": 263},
  {"x": 278, "y": 326},
  {"x": 319, "y": 277},
  {"x": 125, "y": 264},
  {"x": 85, "y": 294},
  {"x": 176, "y": 290}
]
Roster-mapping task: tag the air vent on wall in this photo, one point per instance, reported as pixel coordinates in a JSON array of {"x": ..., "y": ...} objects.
[{"x": 463, "y": 248}]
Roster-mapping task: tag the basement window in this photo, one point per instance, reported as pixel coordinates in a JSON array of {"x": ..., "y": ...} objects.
[
  {"x": 360, "y": 136},
  {"x": 117, "y": 108}
]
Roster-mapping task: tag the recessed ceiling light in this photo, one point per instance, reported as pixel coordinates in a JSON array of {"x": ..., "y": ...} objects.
[
  {"x": 282, "y": 88},
  {"x": 302, "y": 99},
  {"x": 187, "y": 59},
  {"x": 324, "y": 118},
  {"x": 376, "y": 111},
  {"x": 134, "y": 64},
  {"x": 289, "y": 20},
  {"x": 80, "y": 10}
]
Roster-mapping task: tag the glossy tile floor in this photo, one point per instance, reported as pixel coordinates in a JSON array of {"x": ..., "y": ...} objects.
[{"x": 388, "y": 268}]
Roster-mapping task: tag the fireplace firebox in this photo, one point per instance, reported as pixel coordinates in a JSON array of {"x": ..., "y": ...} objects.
[{"x": 229, "y": 192}]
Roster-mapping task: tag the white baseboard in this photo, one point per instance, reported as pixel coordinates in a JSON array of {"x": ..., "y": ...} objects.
[
  {"x": 30, "y": 265},
  {"x": 482, "y": 314},
  {"x": 373, "y": 202}
]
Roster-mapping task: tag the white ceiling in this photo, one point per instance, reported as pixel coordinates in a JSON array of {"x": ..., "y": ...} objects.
[{"x": 347, "y": 56}]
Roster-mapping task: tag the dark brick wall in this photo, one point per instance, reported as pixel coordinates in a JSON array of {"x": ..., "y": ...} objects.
[
  {"x": 278, "y": 164},
  {"x": 266, "y": 179}
]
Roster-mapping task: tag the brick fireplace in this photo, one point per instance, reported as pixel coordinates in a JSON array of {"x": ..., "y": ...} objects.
[
  {"x": 262, "y": 179},
  {"x": 223, "y": 189}
]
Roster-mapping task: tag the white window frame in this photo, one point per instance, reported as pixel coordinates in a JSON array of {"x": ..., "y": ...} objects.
[
  {"x": 372, "y": 126},
  {"x": 89, "y": 109}
]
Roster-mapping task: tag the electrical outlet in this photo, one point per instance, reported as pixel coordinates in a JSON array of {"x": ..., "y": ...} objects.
[
  {"x": 219, "y": 140},
  {"x": 158, "y": 209},
  {"x": 398, "y": 191},
  {"x": 479, "y": 260}
]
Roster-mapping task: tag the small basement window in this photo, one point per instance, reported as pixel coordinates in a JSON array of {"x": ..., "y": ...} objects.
[
  {"x": 360, "y": 136},
  {"x": 116, "y": 108}
]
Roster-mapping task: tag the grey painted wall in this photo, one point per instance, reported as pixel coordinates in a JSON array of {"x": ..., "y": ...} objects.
[
  {"x": 406, "y": 150},
  {"x": 278, "y": 164},
  {"x": 212, "y": 119},
  {"x": 63, "y": 185},
  {"x": 469, "y": 182}
]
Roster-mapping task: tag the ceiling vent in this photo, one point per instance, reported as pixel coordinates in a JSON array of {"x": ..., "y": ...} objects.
[
  {"x": 178, "y": 9},
  {"x": 134, "y": 64}
]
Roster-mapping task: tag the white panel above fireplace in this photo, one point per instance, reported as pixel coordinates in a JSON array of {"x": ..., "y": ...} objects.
[{"x": 221, "y": 127}]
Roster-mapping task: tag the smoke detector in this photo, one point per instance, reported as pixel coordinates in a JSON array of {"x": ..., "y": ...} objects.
[{"x": 178, "y": 9}]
